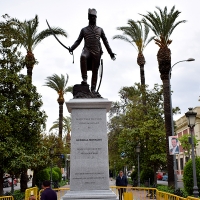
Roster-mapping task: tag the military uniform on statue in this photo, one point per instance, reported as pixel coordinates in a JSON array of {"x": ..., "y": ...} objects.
[{"x": 92, "y": 51}]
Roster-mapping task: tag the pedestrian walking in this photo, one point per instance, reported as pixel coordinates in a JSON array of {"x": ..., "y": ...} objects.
[
  {"x": 48, "y": 193},
  {"x": 121, "y": 181}
]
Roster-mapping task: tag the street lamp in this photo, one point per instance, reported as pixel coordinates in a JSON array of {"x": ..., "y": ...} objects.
[
  {"x": 114, "y": 169},
  {"x": 51, "y": 152},
  {"x": 138, "y": 152},
  {"x": 191, "y": 118},
  {"x": 172, "y": 121},
  {"x": 68, "y": 160}
]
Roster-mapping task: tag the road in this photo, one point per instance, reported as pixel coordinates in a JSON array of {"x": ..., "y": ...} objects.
[
  {"x": 179, "y": 183},
  {"x": 8, "y": 189}
]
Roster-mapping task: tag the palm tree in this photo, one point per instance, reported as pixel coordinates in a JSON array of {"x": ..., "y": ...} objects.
[
  {"x": 66, "y": 127},
  {"x": 27, "y": 36},
  {"x": 138, "y": 36},
  {"x": 163, "y": 24},
  {"x": 59, "y": 84}
]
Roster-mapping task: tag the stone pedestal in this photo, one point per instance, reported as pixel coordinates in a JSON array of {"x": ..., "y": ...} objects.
[{"x": 89, "y": 168}]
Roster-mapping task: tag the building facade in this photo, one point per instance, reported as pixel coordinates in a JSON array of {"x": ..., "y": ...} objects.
[{"x": 183, "y": 129}]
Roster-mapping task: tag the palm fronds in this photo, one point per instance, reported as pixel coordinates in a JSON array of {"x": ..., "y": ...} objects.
[
  {"x": 162, "y": 24},
  {"x": 135, "y": 34}
]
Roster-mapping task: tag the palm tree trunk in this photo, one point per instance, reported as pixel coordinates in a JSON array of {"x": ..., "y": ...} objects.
[
  {"x": 142, "y": 76},
  {"x": 60, "y": 118},
  {"x": 141, "y": 62},
  {"x": 30, "y": 72},
  {"x": 168, "y": 128},
  {"x": 164, "y": 61},
  {"x": 30, "y": 61}
]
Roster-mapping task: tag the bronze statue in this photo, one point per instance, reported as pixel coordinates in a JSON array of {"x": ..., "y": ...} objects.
[{"x": 92, "y": 51}]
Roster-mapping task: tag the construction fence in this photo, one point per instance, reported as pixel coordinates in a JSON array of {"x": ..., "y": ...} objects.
[{"x": 122, "y": 193}]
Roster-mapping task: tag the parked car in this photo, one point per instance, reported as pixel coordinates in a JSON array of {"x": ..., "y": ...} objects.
[
  {"x": 10, "y": 181},
  {"x": 165, "y": 177},
  {"x": 159, "y": 176},
  {"x": 5, "y": 183}
]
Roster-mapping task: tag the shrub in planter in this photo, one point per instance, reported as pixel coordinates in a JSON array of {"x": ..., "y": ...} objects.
[
  {"x": 57, "y": 169},
  {"x": 188, "y": 175},
  {"x": 134, "y": 175},
  {"x": 147, "y": 174},
  {"x": 55, "y": 175},
  {"x": 43, "y": 175}
]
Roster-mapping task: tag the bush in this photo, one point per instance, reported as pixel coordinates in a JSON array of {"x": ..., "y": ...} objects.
[
  {"x": 165, "y": 188},
  {"x": 43, "y": 175},
  {"x": 188, "y": 175},
  {"x": 130, "y": 182},
  {"x": 57, "y": 169},
  {"x": 134, "y": 175},
  {"x": 147, "y": 174},
  {"x": 17, "y": 195},
  {"x": 55, "y": 175},
  {"x": 178, "y": 192}
]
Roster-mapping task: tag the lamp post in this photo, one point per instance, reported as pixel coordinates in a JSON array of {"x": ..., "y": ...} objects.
[
  {"x": 114, "y": 170},
  {"x": 138, "y": 153},
  {"x": 172, "y": 121},
  {"x": 51, "y": 152},
  {"x": 191, "y": 118},
  {"x": 68, "y": 160}
]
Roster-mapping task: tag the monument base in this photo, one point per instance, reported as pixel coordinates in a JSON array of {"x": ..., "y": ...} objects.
[
  {"x": 89, "y": 166},
  {"x": 90, "y": 194}
]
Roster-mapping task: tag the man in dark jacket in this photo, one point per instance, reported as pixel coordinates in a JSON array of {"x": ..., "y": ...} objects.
[
  {"x": 121, "y": 181},
  {"x": 48, "y": 193},
  {"x": 92, "y": 51}
]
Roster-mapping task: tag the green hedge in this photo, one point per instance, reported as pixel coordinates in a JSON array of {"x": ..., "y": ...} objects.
[
  {"x": 43, "y": 175},
  {"x": 57, "y": 169},
  {"x": 188, "y": 175}
]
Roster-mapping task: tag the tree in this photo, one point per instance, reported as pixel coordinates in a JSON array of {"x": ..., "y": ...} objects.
[
  {"x": 129, "y": 126},
  {"x": 188, "y": 175},
  {"x": 66, "y": 127},
  {"x": 26, "y": 34},
  {"x": 20, "y": 126},
  {"x": 59, "y": 84},
  {"x": 163, "y": 24},
  {"x": 138, "y": 36},
  {"x": 186, "y": 144}
]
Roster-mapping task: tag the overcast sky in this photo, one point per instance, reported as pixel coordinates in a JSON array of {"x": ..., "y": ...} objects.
[{"x": 124, "y": 71}]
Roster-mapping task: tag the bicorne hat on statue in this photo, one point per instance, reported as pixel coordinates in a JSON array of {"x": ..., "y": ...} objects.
[{"x": 92, "y": 11}]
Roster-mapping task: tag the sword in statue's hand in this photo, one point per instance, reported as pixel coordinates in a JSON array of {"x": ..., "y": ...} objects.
[
  {"x": 68, "y": 48},
  {"x": 100, "y": 74}
]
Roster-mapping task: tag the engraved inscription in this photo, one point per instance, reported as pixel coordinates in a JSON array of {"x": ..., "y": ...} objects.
[
  {"x": 86, "y": 177},
  {"x": 84, "y": 120}
]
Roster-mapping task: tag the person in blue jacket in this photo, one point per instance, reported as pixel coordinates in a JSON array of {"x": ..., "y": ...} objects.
[
  {"x": 121, "y": 181},
  {"x": 48, "y": 193}
]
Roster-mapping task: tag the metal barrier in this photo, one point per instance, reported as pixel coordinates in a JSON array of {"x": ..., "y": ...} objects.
[
  {"x": 123, "y": 193},
  {"x": 168, "y": 196},
  {"x": 191, "y": 198},
  {"x": 139, "y": 193},
  {"x": 31, "y": 192},
  {"x": 7, "y": 198},
  {"x": 135, "y": 193}
]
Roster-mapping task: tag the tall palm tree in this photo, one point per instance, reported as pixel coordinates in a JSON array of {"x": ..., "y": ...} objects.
[
  {"x": 59, "y": 84},
  {"x": 28, "y": 36},
  {"x": 66, "y": 127},
  {"x": 163, "y": 24},
  {"x": 136, "y": 36}
]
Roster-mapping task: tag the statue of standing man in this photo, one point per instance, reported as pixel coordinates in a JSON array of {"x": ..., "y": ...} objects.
[{"x": 92, "y": 51}]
